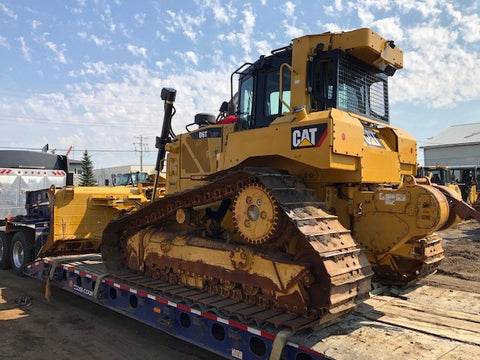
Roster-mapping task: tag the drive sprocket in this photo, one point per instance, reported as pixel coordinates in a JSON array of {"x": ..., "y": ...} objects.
[{"x": 256, "y": 214}]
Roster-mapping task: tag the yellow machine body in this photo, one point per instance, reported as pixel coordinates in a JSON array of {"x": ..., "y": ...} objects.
[
  {"x": 355, "y": 164},
  {"x": 325, "y": 147},
  {"x": 78, "y": 215},
  {"x": 331, "y": 145},
  {"x": 285, "y": 205}
]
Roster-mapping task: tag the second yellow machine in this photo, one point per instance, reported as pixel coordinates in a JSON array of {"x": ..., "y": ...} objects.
[{"x": 291, "y": 196}]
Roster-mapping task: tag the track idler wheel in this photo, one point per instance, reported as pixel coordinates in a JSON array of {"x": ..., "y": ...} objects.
[{"x": 256, "y": 214}]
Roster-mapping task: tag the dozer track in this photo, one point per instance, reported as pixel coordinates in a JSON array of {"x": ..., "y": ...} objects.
[{"x": 318, "y": 272}]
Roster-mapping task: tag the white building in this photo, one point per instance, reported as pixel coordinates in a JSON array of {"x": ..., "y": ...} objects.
[
  {"x": 75, "y": 167},
  {"x": 457, "y": 145},
  {"x": 113, "y": 173}
]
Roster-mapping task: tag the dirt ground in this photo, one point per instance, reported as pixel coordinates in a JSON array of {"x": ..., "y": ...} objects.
[
  {"x": 462, "y": 258},
  {"x": 70, "y": 327}
]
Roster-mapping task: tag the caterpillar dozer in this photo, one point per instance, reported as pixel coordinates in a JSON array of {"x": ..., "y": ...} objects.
[
  {"x": 64, "y": 221},
  {"x": 295, "y": 195}
]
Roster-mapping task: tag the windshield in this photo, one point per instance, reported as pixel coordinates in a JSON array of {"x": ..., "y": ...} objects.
[
  {"x": 438, "y": 176},
  {"x": 245, "y": 109},
  {"x": 132, "y": 179}
]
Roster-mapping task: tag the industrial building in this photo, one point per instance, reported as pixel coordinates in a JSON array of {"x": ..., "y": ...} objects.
[
  {"x": 457, "y": 145},
  {"x": 110, "y": 175}
]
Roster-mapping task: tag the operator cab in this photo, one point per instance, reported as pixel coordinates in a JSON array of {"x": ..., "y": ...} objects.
[
  {"x": 259, "y": 101},
  {"x": 132, "y": 178},
  {"x": 335, "y": 79}
]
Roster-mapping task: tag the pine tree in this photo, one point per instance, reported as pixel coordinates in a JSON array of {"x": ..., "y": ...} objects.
[{"x": 87, "y": 178}]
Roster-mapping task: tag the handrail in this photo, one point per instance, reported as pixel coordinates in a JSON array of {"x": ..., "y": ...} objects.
[{"x": 280, "y": 93}]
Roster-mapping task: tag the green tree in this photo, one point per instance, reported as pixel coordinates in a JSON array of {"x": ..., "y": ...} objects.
[{"x": 86, "y": 177}]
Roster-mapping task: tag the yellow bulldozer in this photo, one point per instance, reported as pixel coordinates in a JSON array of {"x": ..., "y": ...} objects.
[
  {"x": 63, "y": 221},
  {"x": 295, "y": 195}
]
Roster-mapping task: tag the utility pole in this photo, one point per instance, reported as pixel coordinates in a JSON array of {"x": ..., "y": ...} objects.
[{"x": 142, "y": 147}]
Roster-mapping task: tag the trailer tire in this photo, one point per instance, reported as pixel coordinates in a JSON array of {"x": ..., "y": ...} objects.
[
  {"x": 21, "y": 251},
  {"x": 5, "y": 244}
]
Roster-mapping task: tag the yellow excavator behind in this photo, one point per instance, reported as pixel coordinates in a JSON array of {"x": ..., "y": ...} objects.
[{"x": 294, "y": 193}]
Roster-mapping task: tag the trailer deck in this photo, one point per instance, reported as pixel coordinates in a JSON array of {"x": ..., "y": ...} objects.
[{"x": 426, "y": 322}]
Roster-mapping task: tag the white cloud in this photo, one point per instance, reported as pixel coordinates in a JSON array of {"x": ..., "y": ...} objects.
[
  {"x": 440, "y": 46},
  {"x": 429, "y": 8},
  {"x": 332, "y": 27},
  {"x": 88, "y": 112},
  {"x": 137, "y": 50},
  {"x": 107, "y": 18},
  {"x": 159, "y": 35},
  {"x": 161, "y": 64},
  {"x": 470, "y": 28},
  {"x": 185, "y": 23},
  {"x": 93, "y": 38},
  {"x": 438, "y": 69},
  {"x": 58, "y": 51},
  {"x": 469, "y": 25},
  {"x": 440, "y": 39},
  {"x": 36, "y": 24},
  {"x": 289, "y": 24},
  {"x": 365, "y": 15},
  {"x": 25, "y": 49},
  {"x": 98, "y": 41},
  {"x": 390, "y": 28},
  {"x": 140, "y": 18},
  {"x": 76, "y": 11},
  {"x": 338, "y": 5},
  {"x": 188, "y": 56},
  {"x": 243, "y": 38},
  {"x": 4, "y": 42},
  {"x": 10, "y": 13},
  {"x": 263, "y": 47},
  {"x": 40, "y": 38},
  {"x": 289, "y": 9},
  {"x": 223, "y": 13},
  {"x": 125, "y": 31},
  {"x": 365, "y": 8},
  {"x": 97, "y": 69},
  {"x": 329, "y": 10}
]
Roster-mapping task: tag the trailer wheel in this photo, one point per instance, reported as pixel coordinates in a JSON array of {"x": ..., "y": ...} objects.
[
  {"x": 4, "y": 251},
  {"x": 22, "y": 251}
]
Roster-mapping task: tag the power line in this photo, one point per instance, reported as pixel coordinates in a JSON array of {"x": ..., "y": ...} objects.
[
  {"x": 70, "y": 123},
  {"x": 89, "y": 150},
  {"x": 142, "y": 148},
  {"x": 23, "y": 95}
]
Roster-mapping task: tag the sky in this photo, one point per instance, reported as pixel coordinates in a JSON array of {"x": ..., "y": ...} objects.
[{"x": 88, "y": 73}]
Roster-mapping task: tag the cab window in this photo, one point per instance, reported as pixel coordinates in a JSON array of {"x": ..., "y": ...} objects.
[
  {"x": 246, "y": 102},
  {"x": 273, "y": 106}
]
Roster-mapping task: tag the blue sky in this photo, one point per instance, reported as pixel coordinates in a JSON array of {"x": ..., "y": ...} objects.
[{"x": 88, "y": 73}]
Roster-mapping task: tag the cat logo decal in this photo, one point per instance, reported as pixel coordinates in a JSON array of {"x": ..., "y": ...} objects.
[{"x": 308, "y": 136}]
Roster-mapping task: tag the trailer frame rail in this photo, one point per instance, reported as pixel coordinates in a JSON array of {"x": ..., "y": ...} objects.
[{"x": 85, "y": 276}]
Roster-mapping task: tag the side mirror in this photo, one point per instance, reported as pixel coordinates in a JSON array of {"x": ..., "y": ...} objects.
[{"x": 224, "y": 107}]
